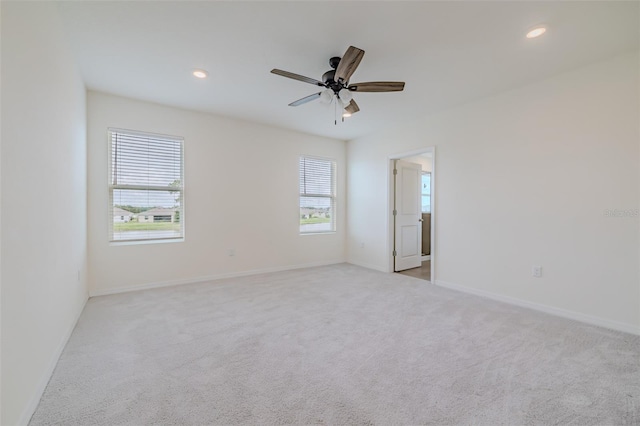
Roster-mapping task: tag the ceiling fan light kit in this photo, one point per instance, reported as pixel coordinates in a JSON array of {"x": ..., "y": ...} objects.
[
  {"x": 345, "y": 96},
  {"x": 336, "y": 83},
  {"x": 326, "y": 96}
]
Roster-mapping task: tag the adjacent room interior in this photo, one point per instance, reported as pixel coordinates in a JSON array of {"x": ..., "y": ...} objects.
[
  {"x": 416, "y": 260},
  {"x": 198, "y": 212}
]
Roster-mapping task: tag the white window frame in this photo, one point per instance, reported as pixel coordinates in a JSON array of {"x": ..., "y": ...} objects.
[
  {"x": 422, "y": 194},
  {"x": 112, "y": 187},
  {"x": 332, "y": 197}
]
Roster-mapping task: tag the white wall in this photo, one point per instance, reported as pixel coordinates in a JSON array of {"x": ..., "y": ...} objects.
[
  {"x": 43, "y": 202},
  {"x": 241, "y": 192},
  {"x": 0, "y": 225},
  {"x": 524, "y": 178}
]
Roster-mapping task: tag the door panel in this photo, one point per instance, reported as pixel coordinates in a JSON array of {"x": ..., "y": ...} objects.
[
  {"x": 409, "y": 241},
  {"x": 408, "y": 228},
  {"x": 411, "y": 184}
]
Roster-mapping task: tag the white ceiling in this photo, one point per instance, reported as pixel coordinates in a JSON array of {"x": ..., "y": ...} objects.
[{"x": 448, "y": 53}]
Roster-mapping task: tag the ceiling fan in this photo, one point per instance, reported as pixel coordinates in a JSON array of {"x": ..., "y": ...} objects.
[{"x": 336, "y": 82}]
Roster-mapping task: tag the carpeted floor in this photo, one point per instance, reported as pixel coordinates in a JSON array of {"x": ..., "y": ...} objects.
[{"x": 336, "y": 345}]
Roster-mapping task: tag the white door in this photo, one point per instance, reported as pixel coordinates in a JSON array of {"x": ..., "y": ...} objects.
[{"x": 408, "y": 215}]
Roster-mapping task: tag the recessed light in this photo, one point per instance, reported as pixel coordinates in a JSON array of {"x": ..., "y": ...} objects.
[
  {"x": 536, "y": 32},
  {"x": 200, "y": 73}
]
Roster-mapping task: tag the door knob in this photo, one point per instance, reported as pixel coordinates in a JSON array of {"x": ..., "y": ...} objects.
[{"x": 421, "y": 220}]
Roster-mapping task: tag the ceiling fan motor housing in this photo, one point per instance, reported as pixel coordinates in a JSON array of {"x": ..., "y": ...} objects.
[
  {"x": 329, "y": 80},
  {"x": 329, "y": 77}
]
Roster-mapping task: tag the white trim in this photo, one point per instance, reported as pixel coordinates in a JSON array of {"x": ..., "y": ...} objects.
[
  {"x": 143, "y": 134},
  {"x": 147, "y": 241},
  {"x": 391, "y": 198},
  {"x": 433, "y": 215},
  {"x": 179, "y": 139},
  {"x": 333, "y": 196},
  {"x": 368, "y": 265},
  {"x": 302, "y": 234},
  {"x": 577, "y": 316},
  {"x": 194, "y": 280},
  {"x": 33, "y": 402},
  {"x": 427, "y": 257},
  {"x": 412, "y": 153}
]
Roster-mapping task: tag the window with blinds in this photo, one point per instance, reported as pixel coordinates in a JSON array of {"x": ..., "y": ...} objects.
[
  {"x": 317, "y": 195},
  {"x": 145, "y": 186}
]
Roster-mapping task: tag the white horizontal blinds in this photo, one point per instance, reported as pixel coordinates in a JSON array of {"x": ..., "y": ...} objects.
[
  {"x": 146, "y": 186},
  {"x": 317, "y": 195},
  {"x": 316, "y": 176},
  {"x": 144, "y": 160}
]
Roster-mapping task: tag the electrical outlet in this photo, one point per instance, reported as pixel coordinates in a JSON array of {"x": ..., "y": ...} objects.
[
  {"x": 231, "y": 252},
  {"x": 536, "y": 271}
]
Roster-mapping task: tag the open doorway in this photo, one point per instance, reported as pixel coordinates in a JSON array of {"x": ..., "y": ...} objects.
[{"x": 412, "y": 218}]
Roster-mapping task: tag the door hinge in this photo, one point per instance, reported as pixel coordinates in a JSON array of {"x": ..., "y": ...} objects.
[
  {"x": 395, "y": 212},
  {"x": 395, "y": 253},
  {"x": 395, "y": 171}
]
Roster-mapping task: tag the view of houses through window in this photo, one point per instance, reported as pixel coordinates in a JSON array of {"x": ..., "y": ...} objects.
[{"x": 145, "y": 190}]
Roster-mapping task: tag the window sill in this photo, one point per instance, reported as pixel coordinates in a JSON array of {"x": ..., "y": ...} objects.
[
  {"x": 142, "y": 242},
  {"x": 317, "y": 233}
]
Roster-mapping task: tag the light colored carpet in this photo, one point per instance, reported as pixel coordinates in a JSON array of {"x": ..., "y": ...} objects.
[{"x": 336, "y": 345}]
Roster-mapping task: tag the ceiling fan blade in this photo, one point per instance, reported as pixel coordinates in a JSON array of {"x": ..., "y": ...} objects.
[
  {"x": 348, "y": 64},
  {"x": 297, "y": 77},
  {"x": 306, "y": 99},
  {"x": 352, "y": 108},
  {"x": 378, "y": 86}
]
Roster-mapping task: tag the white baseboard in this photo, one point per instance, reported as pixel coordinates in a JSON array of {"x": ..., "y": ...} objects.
[
  {"x": 194, "y": 280},
  {"x": 367, "y": 265},
  {"x": 601, "y": 322},
  {"x": 28, "y": 411},
  {"x": 427, "y": 257}
]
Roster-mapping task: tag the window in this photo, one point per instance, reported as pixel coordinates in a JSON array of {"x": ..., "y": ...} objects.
[
  {"x": 146, "y": 181},
  {"x": 426, "y": 192},
  {"x": 317, "y": 195}
]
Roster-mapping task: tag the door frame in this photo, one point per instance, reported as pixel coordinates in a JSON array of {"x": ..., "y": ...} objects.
[
  {"x": 411, "y": 219},
  {"x": 391, "y": 199}
]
